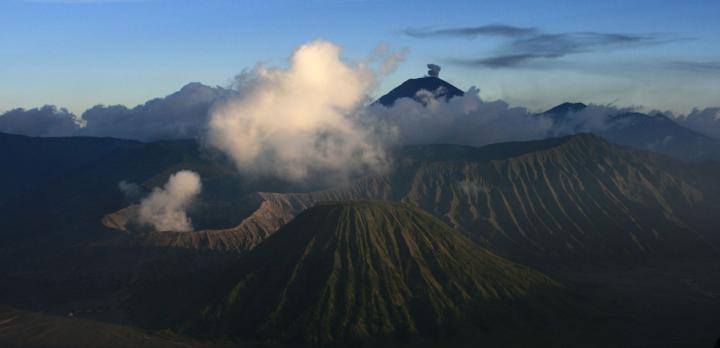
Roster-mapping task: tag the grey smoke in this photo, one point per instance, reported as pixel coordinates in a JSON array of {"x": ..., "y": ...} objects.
[{"x": 433, "y": 70}]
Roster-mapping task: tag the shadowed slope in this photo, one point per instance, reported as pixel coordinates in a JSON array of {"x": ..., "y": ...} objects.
[
  {"x": 23, "y": 329},
  {"x": 30, "y": 162},
  {"x": 358, "y": 270}
]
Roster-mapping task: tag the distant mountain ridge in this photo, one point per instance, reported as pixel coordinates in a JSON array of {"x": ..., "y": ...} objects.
[
  {"x": 185, "y": 113},
  {"x": 657, "y": 133}
]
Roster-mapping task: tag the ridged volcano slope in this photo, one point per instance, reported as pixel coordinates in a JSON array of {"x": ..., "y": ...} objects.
[
  {"x": 347, "y": 271},
  {"x": 580, "y": 199}
]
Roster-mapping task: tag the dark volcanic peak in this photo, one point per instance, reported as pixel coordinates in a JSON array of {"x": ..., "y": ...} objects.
[
  {"x": 566, "y": 108},
  {"x": 410, "y": 88},
  {"x": 361, "y": 270}
]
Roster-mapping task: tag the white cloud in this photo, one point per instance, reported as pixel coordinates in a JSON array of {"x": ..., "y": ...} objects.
[
  {"x": 465, "y": 120},
  {"x": 292, "y": 122}
]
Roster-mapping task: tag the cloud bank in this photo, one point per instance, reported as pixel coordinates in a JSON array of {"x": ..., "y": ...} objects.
[
  {"x": 295, "y": 121},
  {"x": 47, "y": 121},
  {"x": 181, "y": 115},
  {"x": 165, "y": 208},
  {"x": 463, "y": 120}
]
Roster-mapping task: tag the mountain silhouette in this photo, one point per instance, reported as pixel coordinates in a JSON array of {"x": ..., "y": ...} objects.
[{"x": 439, "y": 88}]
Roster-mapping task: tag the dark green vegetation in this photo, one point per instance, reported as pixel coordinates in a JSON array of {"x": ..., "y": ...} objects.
[{"x": 359, "y": 270}]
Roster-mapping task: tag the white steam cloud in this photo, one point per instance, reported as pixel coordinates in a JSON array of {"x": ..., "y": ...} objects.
[
  {"x": 165, "y": 208},
  {"x": 296, "y": 121}
]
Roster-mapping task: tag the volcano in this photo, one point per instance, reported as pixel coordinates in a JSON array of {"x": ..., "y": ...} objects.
[
  {"x": 362, "y": 270},
  {"x": 439, "y": 88}
]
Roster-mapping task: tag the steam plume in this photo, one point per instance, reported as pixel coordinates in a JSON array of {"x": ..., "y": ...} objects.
[
  {"x": 165, "y": 208},
  {"x": 291, "y": 122}
]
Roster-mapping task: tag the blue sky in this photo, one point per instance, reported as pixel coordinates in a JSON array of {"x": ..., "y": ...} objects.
[{"x": 78, "y": 53}]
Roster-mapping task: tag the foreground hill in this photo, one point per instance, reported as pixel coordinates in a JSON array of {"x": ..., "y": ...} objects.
[
  {"x": 358, "y": 270},
  {"x": 19, "y": 328}
]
